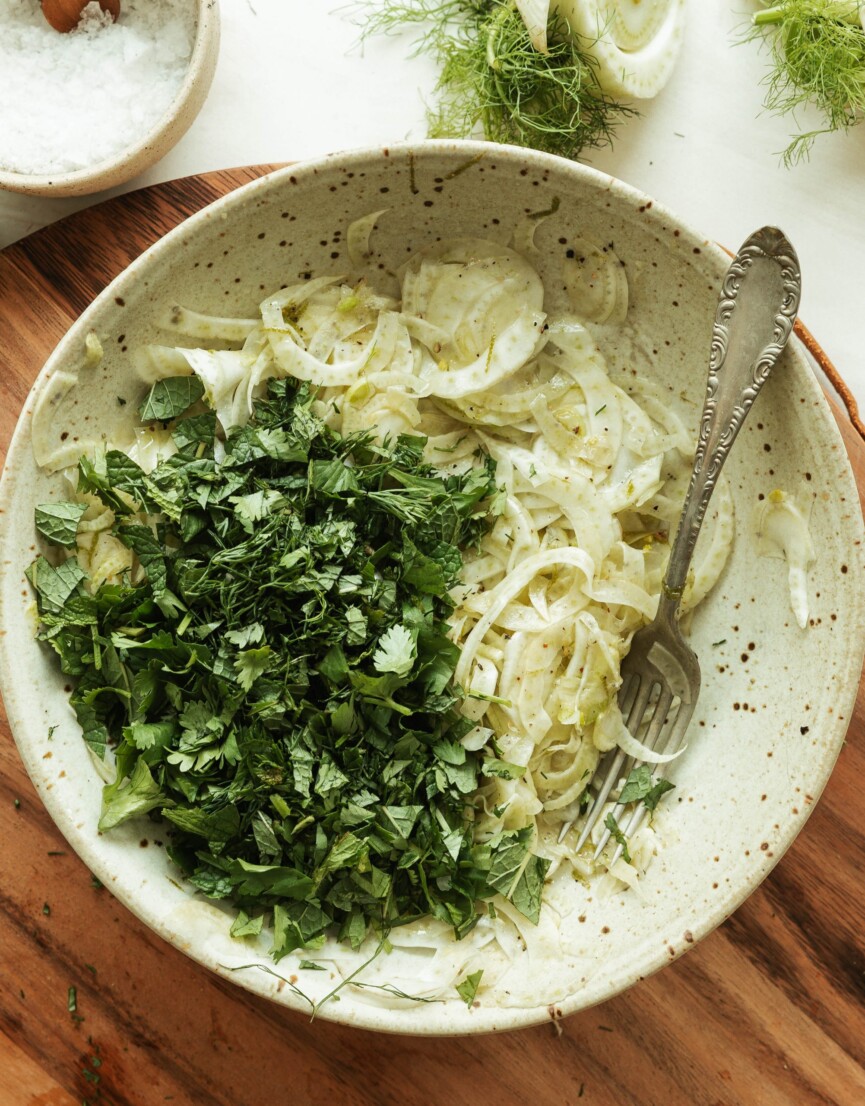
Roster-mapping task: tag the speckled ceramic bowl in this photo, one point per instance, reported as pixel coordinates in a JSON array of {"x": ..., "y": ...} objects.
[
  {"x": 776, "y": 700},
  {"x": 145, "y": 149}
]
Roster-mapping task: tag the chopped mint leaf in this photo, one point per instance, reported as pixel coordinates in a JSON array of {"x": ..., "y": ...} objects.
[
  {"x": 169, "y": 398},
  {"x": 641, "y": 785},
  {"x": 58, "y": 522}
]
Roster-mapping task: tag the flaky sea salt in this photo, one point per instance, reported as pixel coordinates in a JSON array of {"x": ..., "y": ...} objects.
[{"x": 69, "y": 101}]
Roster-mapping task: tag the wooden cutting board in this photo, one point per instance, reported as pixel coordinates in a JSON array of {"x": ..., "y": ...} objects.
[{"x": 768, "y": 1011}]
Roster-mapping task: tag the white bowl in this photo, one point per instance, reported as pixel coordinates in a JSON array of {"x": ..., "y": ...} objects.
[
  {"x": 148, "y": 148},
  {"x": 775, "y": 702}
]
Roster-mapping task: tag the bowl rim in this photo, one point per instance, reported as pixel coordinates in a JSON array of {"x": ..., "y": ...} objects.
[
  {"x": 133, "y": 157},
  {"x": 701, "y": 921}
]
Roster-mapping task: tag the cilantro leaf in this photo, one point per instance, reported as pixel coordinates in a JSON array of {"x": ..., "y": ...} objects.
[
  {"x": 250, "y": 664},
  {"x": 396, "y": 651},
  {"x": 245, "y": 926},
  {"x": 127, "y": 797}
]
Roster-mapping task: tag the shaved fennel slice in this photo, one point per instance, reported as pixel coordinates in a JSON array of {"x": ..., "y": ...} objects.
[
  {"x": 443, "y": 282},
  {"x": 375, "y": 355},
  {"x": 635, "y": 42},
  {"x": 155, "y": 362},
  {"x": 526, "y": 225},
  {"x": 631, "y": 481},
  {"x": 151, "y": 446},
  {"x": 44, "y": 424},
  {"x": 389, "y": 413},
  {"x": 510, "y": 588},
  {"x": 782, "y": 531},
  {"x": 613, "y": 725},
  {"x": 296, "y": 295},
  {"x": 506, "y": 354},
  {"x": 535, "y": 14},
  {"x": 358, "y": 236},
  {"x": 195, "y": 325},
  {"x": 221, "y": 372},
  {"x": 596, "y": 283}
]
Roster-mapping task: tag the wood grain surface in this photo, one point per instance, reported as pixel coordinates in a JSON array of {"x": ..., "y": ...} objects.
[{"x": 768, "y": 1011}]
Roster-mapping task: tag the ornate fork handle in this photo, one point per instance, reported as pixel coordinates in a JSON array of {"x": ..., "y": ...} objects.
[{"x": 746, "y": 343}]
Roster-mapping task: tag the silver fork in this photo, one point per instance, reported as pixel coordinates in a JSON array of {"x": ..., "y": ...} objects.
[{"x": 757, "y": 308}]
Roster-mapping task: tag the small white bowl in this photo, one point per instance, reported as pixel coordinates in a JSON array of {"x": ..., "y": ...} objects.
[{"x": 153, "y": 145}]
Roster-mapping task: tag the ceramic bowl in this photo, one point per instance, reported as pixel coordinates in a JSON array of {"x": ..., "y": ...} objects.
[
  {"x": 150, "y": 147},
  {"x": 776, "y": 700}
]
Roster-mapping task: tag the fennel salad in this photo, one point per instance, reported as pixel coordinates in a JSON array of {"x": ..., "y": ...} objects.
[{"x": 348, "y": 609}]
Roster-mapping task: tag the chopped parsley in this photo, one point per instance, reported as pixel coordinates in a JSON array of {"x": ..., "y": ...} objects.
[{"x": 279, "y": 686}]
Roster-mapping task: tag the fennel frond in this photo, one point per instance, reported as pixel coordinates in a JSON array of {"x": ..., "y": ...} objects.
[
  {"x": 817, "y": 57},
  {"x": 494, "y": 80}
]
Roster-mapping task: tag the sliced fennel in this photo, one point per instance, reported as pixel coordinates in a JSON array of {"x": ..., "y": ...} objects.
[
  {"x": 782, "y": 531},
  {"x": 635, "y": 42}
]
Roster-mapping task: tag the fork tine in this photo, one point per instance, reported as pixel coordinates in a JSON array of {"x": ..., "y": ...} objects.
[
  {"x": 634, "y": 823},
  {"x": 656, "y": 725},
  {"x": 673, "y": 742},
  {"x": 630, "y": 680},
  {"x": 642, "y": 689},
  {"x": 594, "y": 811},
  {"x": 641, "y": 692}
]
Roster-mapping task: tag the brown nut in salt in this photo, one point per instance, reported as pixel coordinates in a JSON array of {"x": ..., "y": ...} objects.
[{"x": 64, "y": 15}]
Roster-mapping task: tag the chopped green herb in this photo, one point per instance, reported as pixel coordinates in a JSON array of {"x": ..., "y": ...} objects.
[
  {"x": 715, "y": 644},
  {"x": 310, "y": 966},
  {"x": 169, "y": 398},
  {"x": 58, "y": 522},
  {"x": 469, "y": 987},
  {"x": 600, "y": 409},
  {"x": 390, "y": 989},
  {"x": 16, "y": 803},
  {"x": 620, "y": 839},
  {"x": 72, "y": 1000},
  {"x": 280, "y": 686},
  {"x": 46, "y": 909},
  {"x": 641, "y": 785}
]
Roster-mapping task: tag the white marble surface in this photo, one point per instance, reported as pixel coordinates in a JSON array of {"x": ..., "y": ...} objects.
[{"x": 291, "y": 85}]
